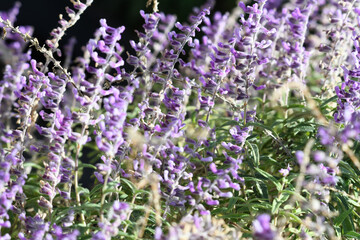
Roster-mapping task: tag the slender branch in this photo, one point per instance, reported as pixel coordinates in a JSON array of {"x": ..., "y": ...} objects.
[
  {"x": 47, "y": 53},
  {"x": 103, "y": 195}
]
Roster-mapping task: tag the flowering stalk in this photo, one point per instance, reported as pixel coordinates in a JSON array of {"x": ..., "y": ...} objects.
[
  {"x": 35, "y": 43},
  {"x": 59, "y": 32},
  {"x": 255, "y": 12},
  {"x": 109, "y": 46}
]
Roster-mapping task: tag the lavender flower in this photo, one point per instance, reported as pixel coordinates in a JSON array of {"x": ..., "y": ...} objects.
[
  {"x": 285, "y": 171},
  {"x": 262, "y": 228},
  {"x": 110, "y": 227},
  {"x": 195, "y": 227}
]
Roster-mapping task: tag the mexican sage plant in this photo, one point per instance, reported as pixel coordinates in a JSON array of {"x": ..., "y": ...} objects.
[{"x": 236, "y": 125}]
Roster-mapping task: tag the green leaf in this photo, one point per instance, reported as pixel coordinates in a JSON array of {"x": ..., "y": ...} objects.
[
  {"x": 96, "y": 191},
  {"x": 270, "y": 177},
  {"x": 33, "y": 165},
  {"x": 89, "y": 207},
  {"x": 332, "y": 99},
  {"x": 301, "y": 106},
  {"x": 304, "y": 128},
  {"x": 347, "y": 169},
  {"x": 234, "y": 215},
  {"x": 260, "y": 125},
  {"x": 129, "y": 184},
  {"x": 278, "y": 202},
  {"x": 352, "y": 234},
  {"x": 345, "y": 218},
  {"x": 291, "y": 215},
  {"x": 301, "y": 198},
  {"x": 353, "y": 202},
  {"x": 255, "y": 153},
  {"x": 340, "y": 219},
  {"x": 261, "y": 206},
  {"x": 232, "y": 202},
  {"x": 86, "y": 165},
  {"x": 268, "y": 159}
]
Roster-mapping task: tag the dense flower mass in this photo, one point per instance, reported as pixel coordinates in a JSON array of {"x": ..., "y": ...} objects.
[{"x": 236, "y": 125}]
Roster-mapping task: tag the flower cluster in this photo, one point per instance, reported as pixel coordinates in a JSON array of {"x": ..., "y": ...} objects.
[
  {"x": 112, "y": 225},
  {"x": 216, "y": 120}
]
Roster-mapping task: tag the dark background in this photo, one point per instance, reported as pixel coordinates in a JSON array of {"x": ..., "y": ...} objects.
[{"x": 43, "y": 15}]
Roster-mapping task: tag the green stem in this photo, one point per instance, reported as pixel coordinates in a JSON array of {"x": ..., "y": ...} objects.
[
  {"x": 103, "y": 197},
  {"x": 76, "y": 184}
]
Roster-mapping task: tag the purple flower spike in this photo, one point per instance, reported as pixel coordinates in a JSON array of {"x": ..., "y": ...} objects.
[{"x": 262, "y": 228}]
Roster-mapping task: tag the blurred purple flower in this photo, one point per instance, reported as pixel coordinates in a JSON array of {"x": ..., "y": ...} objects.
[
  {"x": 285, "y": 171},
  {"x": 262, "y": 228}
]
